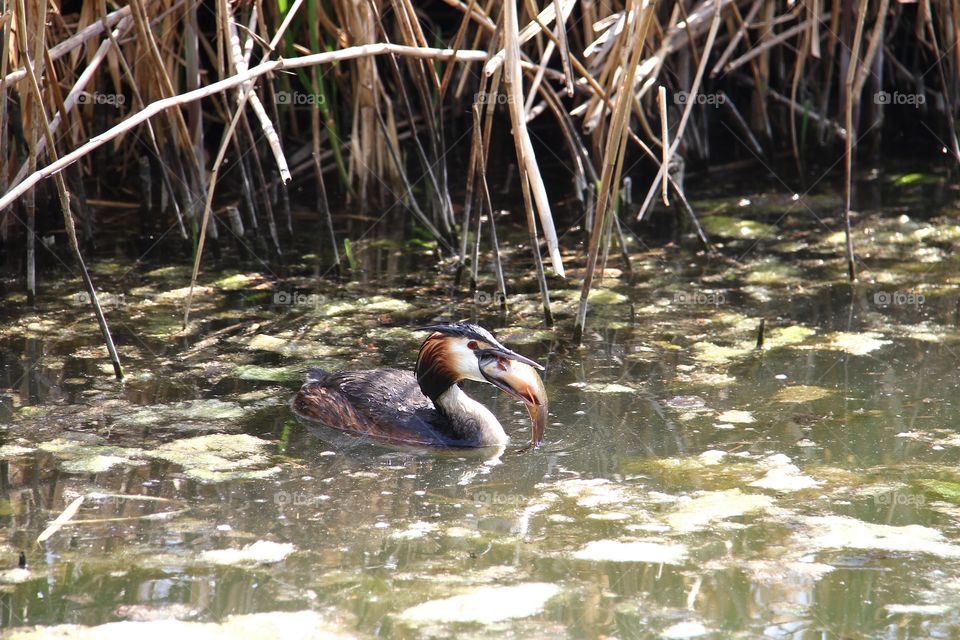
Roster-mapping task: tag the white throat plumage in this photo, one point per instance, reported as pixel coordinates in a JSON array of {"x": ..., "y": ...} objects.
[{"x": 472, "y": 420}]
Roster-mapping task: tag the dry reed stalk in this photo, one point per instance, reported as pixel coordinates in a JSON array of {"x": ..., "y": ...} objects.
[
  {"x": 477, "y": 38},
  {"x": 239, "y": 65},
  {"x": 469, "y": 192},
  {"x": 72, "y": 43},
  {"x": 526, "y": 162},
  {"x": 205, "y": 224},
  {"x": 664, "y": 140},
  {"x": 691, "y": 101},
  {"x": 159, "y": 106},
  {"x": 580, "y": 155},
  {"x": 794, "y": 89},
  {"x": 163, "y": 82},
  {"x": 537, "y": 24},
  {"x": 408, "y": 187},
  {"x": 526, "y": 158},
  {"x": 614, "y": 152},
  {"x": 564, "y": 47},
  {"x": 849, "y": 142},
  {"x": 40, "y": 122},
  {"x": 435, "y": 169},
  {"x": 953, "y": 28},
  {"x": 475, "y": 14},
  {"x": 5, "y": 32},
  {"x": 245, "y": 91},
  {"x": 760, "y": 116},
  {"x": 456, "y": 43},
  {"x": 112, "y": 37},
  {"x": 367, "y": 166},
  {"x": 485, "y": 188},
  {"x": 73, "y": 96},
  {"x": 769, "y": 43},
  {"x": 65, "y": 516},
  {"x": 737, "y": 37}
]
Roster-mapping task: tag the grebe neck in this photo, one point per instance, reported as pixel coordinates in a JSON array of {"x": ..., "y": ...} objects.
[{"x": 471, "y": 420}]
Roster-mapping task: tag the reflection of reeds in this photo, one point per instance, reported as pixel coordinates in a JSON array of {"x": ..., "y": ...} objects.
[{"x": 387, "y": 86}]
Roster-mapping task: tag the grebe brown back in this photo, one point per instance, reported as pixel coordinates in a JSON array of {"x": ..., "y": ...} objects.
[{"x": 427, "y": 407}]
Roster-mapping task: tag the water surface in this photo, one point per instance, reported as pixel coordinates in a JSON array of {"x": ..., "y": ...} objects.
[{"x": 690, "y": 484}]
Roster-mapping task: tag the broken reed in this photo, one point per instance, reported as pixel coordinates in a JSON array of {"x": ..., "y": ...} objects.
[{"x": 375, "y": 115}]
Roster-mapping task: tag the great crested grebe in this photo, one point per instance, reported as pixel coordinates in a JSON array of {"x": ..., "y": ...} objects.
[{"x": 427, "y": 407}]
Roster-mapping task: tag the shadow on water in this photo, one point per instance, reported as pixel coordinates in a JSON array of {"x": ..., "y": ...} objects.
[{"x": 689, "y": 482}]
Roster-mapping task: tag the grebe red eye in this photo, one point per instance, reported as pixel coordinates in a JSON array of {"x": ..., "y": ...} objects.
[{"x": 472, "y": 345}]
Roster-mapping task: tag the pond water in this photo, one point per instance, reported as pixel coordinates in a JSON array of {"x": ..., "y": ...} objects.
[{"x": 690, "y": 484}]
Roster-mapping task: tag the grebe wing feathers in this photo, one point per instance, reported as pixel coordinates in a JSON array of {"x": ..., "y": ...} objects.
[{"x": 385, "y": 404}]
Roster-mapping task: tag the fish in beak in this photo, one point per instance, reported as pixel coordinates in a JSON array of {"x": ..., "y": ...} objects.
[{"x": 517, "y": 375}]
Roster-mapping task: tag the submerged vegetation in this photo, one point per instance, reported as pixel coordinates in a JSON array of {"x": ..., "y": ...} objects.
[{"x": 211, "y": 115}]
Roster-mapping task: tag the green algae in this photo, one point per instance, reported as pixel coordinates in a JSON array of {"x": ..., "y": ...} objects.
[
  {"x": 605, "y": 297},
  {"x": 713, "y": 506},
  {"x": 949, "y": 491},
  {"x": 291, "y": 346},
  {"x": 238, "y": 281},
  {"x": 259, "y": 552},
  {"x": 268, "y": 374},
  {"x": 484, "y": 605},
  {"x": 89, "y": 456},
  {"x": 9, "y": 451},
  {"x": 737, "y": 228},
  {"x": 800, "y": 393},
  {"x": 218, "y": 457},
  {"x": 190, "y": 411},
  {"x": 771, "y": 271},
  {"x": 297, "y": 625},
  {"x": 857, "y": 344}
]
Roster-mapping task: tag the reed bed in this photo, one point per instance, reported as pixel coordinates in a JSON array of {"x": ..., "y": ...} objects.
[{"x": 363, "y": 101}]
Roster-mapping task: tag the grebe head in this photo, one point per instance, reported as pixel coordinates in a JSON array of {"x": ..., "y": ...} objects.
[
  {"x": 452, "y": 353},
  {"x": 455, "y": 352}
]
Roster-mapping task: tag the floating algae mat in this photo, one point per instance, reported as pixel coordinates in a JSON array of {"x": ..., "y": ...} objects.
[{"x": 694, "y": 481}]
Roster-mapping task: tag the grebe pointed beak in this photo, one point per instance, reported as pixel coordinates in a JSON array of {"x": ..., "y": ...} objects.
[{"x": 517, "y": 377}]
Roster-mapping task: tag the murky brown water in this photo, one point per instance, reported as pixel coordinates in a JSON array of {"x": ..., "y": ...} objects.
[{"x": 690, "y": 484}]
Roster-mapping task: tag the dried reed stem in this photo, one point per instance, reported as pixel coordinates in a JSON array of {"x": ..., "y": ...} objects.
[
  {"x": 43, "y": 123},
  {"x": 218, "y": 87}
]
